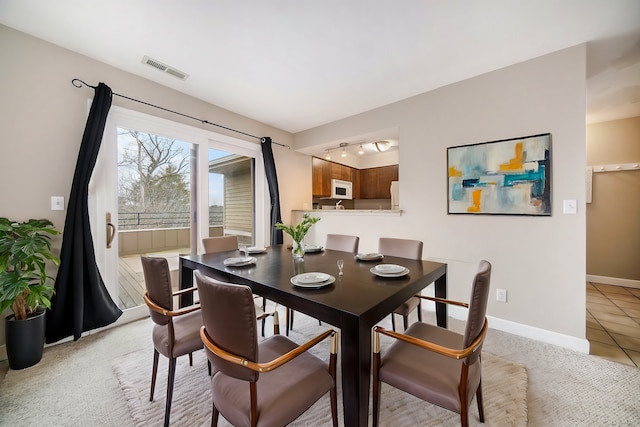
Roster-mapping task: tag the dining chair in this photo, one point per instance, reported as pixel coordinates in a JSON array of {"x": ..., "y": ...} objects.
[
  {"x": 229, "y": 243},
  {"x": 335, "y": 242},
  {"x": 435, "y": 364},
  {"x": 176, "y": 332},
  {"x": 270, "y": 383},
  {"x": 403, "y": 248},
  {"x": 342, "y": 242}
]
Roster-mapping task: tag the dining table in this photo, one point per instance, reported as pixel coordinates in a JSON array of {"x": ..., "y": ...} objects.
[{"x": 354, "y": 302}]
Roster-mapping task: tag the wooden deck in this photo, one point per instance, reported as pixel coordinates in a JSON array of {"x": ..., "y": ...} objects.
[{"x": 131, "y": 278}]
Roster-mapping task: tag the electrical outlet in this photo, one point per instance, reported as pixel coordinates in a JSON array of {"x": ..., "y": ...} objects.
[{"x": 501, "y": 295}]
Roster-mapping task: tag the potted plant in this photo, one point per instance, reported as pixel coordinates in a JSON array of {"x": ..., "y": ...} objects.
[
  {"x": 25, "y": 248},
  {"x": 298, "y": 232}
]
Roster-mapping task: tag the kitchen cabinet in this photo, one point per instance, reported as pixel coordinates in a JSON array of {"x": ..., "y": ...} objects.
[
  {"x": 375, "y": 183},
  {"x": 321, "y": 178}
]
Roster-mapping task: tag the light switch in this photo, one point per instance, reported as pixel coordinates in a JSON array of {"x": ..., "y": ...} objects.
[
  {"x": 569, "y": 207},
  {"x": 57, "y": 203}
]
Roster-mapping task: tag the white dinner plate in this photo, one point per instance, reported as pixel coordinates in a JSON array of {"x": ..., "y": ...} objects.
[
  {"x": 255, "y": 250},
  {"x": 380, "y": 273},
  {"x": 239, "y": 261},
  {"x": 369, "y": 257},
  {"x": 313, "y": 277},
  {"x": 316, "y": 285},
  {"x": 389, "y": 268},
  {"x": 312, "y": 248}
]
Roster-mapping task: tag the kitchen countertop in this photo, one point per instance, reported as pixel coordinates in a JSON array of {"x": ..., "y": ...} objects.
[{"x": 382, "y": 212}]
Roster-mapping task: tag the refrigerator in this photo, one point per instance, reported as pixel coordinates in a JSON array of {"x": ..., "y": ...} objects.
[{"x": 395, "y": 195}]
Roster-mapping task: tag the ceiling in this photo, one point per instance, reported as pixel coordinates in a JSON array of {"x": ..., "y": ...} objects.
[{"x": 295, "y": 65}]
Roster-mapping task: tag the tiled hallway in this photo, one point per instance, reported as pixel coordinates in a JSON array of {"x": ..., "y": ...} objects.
[{"x": 613, "y": 322}]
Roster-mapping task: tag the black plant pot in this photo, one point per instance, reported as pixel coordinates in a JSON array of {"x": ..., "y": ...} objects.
[{"x": 25, "y": 340}]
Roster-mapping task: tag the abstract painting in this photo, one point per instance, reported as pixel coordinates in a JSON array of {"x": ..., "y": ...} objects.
[{"x": 506, "y": 177}]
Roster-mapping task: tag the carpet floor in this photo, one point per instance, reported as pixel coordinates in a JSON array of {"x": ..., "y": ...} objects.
[
  {"x": 504, "y": 388},
  {"x": 75, "y": 383}
]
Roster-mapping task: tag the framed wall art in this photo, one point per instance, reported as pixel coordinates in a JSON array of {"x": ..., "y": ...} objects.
[{"x": 506, "y": 177}]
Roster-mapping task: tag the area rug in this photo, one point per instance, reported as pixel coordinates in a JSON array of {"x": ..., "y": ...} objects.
[{"x": 504, "y": 392}]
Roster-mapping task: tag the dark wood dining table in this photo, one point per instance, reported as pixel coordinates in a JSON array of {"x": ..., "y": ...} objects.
[{"x": 354, "y": 303}]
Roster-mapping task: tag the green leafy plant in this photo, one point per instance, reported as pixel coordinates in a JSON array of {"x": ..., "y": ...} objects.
[
  {"x": 298, "y": 232},
  {"x": 25, "y": 248}
]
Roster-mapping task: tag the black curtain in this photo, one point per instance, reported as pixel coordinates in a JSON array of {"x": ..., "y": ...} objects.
[
  {"x": 272, "y": 180},
  {"x": 82, "y": 302}
]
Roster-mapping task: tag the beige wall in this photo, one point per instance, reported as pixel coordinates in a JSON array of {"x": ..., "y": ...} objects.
[
  {"x": 539, "y": 260},
  {"x": 42, "y": 118},
  {"x": 613, "y": 217}
]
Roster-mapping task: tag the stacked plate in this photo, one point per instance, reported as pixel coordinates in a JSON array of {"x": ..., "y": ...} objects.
[
  {"x": 389, "y": 270},
  {"x": 239, "y": 261},
  {"x": 312, "y": 248},
  {"x": 312, "y": 280},
  {"x": 254, "y": 250},
  {"x": 369, "y": 257}
]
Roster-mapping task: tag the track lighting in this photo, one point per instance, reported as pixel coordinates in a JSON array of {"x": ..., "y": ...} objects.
[{"x": 360, "y": 149}]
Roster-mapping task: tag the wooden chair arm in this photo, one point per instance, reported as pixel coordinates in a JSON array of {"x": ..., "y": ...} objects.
[
  {"x": 171, "y": 313},
  {"x": 275, "y": 363},
  {"x": 443, "y": 300},
  {"x": 445, "y": 351},
  {"x": 184, "y": 291}
]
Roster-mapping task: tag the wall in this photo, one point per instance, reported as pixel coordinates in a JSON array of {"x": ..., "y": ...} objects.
[
  {"x": 613, "y": 228},
  {"x": 540, "y": 261},
  {"x": 42, "y": 117}
]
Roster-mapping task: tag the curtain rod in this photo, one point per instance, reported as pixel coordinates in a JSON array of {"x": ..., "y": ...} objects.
[{"x": 78, "y": 83}]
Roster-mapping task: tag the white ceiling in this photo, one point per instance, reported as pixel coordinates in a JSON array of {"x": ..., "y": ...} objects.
[{"x": 297, "y": 64}]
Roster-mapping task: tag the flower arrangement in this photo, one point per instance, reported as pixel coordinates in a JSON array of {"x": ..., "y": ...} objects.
[{"x": 298, "y": 232}]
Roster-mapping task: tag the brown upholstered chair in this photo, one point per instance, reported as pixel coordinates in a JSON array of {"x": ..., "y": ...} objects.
[
  {"x": 176, "y": 332},
  {"x": 219, "y": 244},
  {"x": 342, "y": 242},
  {"x": 270, "y": 383},
  {"x": 403, "y": 248},
  {"x": 435, "y": 364},
  {"x": 335, "y": 242}
]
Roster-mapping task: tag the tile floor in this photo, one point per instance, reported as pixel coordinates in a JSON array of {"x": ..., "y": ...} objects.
[{"x": 613, "y": 322}]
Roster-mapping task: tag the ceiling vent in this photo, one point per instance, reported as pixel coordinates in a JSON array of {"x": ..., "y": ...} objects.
[{"x": 164, "y": 68}]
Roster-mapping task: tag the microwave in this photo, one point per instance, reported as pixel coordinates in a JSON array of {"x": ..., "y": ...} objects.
[{"x": 341, "y": 189}]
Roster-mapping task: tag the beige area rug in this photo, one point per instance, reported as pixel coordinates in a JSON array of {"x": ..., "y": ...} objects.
[{"x": 504, "y": 391}]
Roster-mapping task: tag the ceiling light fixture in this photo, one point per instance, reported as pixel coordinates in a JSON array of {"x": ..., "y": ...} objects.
[
  {"x": 360, "y": 149},
  {"x": 382, "y": 145},
  {"x": 327, "y": 156},
  {"x": 344, "y": 146}
]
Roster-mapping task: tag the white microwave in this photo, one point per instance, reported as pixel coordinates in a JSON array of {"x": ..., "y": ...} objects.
[{"x": 341, "y": 189}]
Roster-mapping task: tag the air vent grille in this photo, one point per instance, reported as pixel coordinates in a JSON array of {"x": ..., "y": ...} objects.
[{"x": 164, "y": 68}]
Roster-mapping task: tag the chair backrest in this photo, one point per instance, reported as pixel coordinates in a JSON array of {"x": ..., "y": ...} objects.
[
  {"x": 229, "y": 316},
  {"x": 477, "y": 307},
  {"x": 342, "y": 242},
  {"x": 402, "y": 248},
  {"x": 219, "y": 244},
  {"x": 157, "y": 279}
]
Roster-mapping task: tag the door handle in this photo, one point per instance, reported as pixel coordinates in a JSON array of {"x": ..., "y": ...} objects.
[{"x": 111, "y": 230}]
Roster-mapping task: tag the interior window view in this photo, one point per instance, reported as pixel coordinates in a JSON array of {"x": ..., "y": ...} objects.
[{"x": 295, "y": 214}]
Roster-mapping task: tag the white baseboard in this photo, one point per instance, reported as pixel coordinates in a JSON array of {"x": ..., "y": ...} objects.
[
  {"x": 127, "y": 316},
  {"x": 627, "y": 283},
  {"x": 531, "y": 332}
]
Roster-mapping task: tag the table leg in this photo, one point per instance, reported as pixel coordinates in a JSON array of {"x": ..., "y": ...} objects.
[
  {"x": 185, "y": 275},
  {"x": 355, "y": 359},
  {"x": 441, "y": 308}
]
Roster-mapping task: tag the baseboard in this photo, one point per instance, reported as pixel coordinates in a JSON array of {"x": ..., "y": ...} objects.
[
  {"x": 627, "y": 283},
  {"x": 577, "y": 344},
  {"x": 127, "y": 316}
]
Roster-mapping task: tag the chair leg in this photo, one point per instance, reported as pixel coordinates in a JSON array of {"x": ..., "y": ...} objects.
[
  {"x": 333, "y": 394},
  {"x": 209, "y": 366},
  {"x": 154, "y": 372},
  {"x": 286, "y": 320},
  {"x": 214, "y": 416},
  {"x": 376, "y": 389},
  {"x": 171, "y": 377},
  {"x": 480, "y": 403},
  {"x": 393, "y": 322},
  {"x": 420, "y": 310},
  {"x": 264, "y": 310},
  {"x": 405, "y": 320},
  {"x": 190, "y": 359}
]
